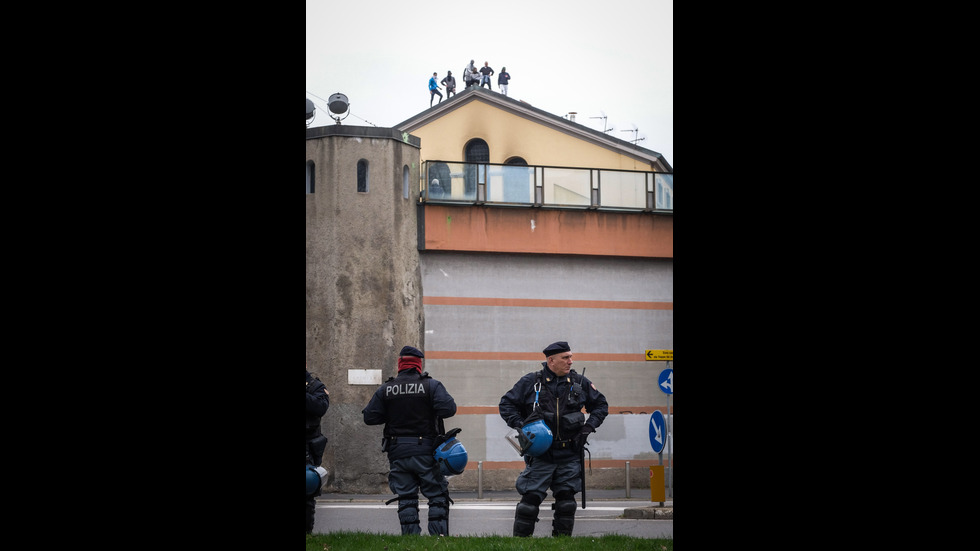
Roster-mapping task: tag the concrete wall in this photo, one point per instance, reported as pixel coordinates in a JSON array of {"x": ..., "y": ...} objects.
[
  {"x": 544, "y": 231},
  {"x": 363, "y": 285},
  {"x": 488, "y": 316}
]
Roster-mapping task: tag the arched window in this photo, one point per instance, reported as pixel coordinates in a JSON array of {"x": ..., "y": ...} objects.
[
  {"x": 405, "y": 190},
  {"x": 476, "y": 151},
  {"x": 310, "y": 177},
  {"x": 362, "y": 176}
]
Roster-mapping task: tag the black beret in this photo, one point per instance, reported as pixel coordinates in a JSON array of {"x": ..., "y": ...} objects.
[
  {"x": 411, "y": 351},
  {"x": 556, "y": 348}
]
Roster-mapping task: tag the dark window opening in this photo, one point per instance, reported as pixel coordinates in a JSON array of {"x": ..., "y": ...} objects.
[
  {"x": 310, "y": 177},
  {"x": 362, "y": 176},
  {"x": 477, "y": 151}
]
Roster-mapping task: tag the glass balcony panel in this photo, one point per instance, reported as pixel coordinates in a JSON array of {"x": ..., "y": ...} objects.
[
  {"x": 566, "y": 186},
  {"x": 665, "y": 191},
  {"x": 510, "y": 184},
  {"x": 451, "y": 182},
  {"x": 622, "y": 189},
  {"x": 454, "y": 182}
]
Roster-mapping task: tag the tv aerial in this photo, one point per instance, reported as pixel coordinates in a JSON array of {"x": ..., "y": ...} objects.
[
  {"x": 338, "y": 105},
  {"x": 604, "y": 117},
  {"x": 634, "y": 131}
]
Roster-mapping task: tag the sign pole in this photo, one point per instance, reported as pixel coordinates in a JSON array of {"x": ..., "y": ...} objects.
[
  {"x": 661, "y": 456},
  {"x": 670, "y": 444},
  {"x": 666, "y": 383},
  {"x": 658, "y": 434}
]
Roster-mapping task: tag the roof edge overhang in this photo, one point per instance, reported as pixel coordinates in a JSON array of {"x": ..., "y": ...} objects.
[
  {"x": 364, "y": 132},
  {"x": 525, "y": 110}
]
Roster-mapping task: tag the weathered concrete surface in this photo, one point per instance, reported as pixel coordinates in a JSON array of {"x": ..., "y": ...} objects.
[
  {"x": 363, "y": 284},
  {"x": 649, "y": 513}
]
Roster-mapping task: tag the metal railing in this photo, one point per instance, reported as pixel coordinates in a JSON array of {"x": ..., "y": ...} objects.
[{"x": 447, "y": 182}]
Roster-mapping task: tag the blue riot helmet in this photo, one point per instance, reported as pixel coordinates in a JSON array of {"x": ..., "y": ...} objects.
[
  {"x": 451, "y": 457},
  {"x": 315, "y": 479},
  {"x": 540, "y": 437}
]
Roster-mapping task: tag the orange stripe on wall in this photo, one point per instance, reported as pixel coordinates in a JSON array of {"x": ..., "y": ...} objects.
[
  {"x": 547, "y": 303},
  {"x": 477, "y": 410},
  {"x": 578, "y": 356}
]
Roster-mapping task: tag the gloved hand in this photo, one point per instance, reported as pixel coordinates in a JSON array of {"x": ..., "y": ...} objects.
[
  {"x": 583, "y": 436},
  {"x": 535, "y": 416},
  {"x": 524, "y": 441}
]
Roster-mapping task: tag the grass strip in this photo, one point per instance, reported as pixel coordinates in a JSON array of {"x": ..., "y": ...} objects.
[{"x": 344, "y": 541}]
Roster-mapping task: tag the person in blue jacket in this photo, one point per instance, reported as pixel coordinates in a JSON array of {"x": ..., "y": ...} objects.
[
  {"x": 555, "y": 394},
  {"x": 434, "y": 89},
  {"x": 411, "y": 406}
]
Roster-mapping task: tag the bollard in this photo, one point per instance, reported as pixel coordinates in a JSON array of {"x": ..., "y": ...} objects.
[
  {"x": 479, "y": 480},
  {"x": 657, "y": 484},
  {"x": 627, "y": 480}
]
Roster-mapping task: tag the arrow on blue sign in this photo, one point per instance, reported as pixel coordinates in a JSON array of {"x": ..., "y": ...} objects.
[
  {"x": 658, "y": 431},
  {"x": 666, "y": 381}
]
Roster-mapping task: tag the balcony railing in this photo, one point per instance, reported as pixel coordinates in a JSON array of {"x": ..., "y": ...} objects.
[{"x": 446, "y": 182}]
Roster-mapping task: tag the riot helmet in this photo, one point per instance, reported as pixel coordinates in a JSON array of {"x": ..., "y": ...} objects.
[
  {"x": 451, "y": 457},
  {"x": 315, "y": 478},
  {"x": 540, "y": 437}
]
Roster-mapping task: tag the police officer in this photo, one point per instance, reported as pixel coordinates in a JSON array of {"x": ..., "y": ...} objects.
[
  {"x": 317, "y": 402},
  {"x": 556, "y": 394},
  {"x": 411, "y": 406}
]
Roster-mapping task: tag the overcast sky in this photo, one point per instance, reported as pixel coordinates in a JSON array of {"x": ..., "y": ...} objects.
[{"x": 612, "y": 57}]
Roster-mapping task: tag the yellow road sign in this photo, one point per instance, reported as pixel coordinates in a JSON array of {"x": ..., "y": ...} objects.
[{"x": 661, "y": 355}]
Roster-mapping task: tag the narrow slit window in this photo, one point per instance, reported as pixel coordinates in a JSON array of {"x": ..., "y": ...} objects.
[
  {"x": 362, "y": 176},
  {"x": 310, "y": 177},
  {"x": 405, "y": 188}
]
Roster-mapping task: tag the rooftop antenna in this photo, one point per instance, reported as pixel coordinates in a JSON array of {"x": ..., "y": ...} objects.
[
  {"x": 634, "y": 131},
  {"x": 603, "y": 117}
]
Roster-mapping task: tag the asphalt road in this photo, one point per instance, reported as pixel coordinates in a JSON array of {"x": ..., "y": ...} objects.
[{"x": 486, "y": 517}]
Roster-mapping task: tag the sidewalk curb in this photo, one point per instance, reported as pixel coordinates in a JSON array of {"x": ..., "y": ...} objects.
[
  {"x": 640, "y": 511},
  {"x": 649, "y": 512}
]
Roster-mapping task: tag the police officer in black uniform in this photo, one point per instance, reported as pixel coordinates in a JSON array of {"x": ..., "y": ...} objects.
[
  {"x": 317, "y": 402},
  {"x": 410, "y": 406},
  {"x": 561, "y": 396}
]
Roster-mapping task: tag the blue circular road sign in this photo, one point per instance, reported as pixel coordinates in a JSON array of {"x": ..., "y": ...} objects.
[
  {"x": 666, "y": 381},
  {"x": 658, "y": 431}
]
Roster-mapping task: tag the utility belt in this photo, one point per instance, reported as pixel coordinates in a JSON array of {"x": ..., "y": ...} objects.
[
  {"x": 419, "y": 440},
  {"x": 387, "y": 441},
  {"x": 561, "y": 444}
]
